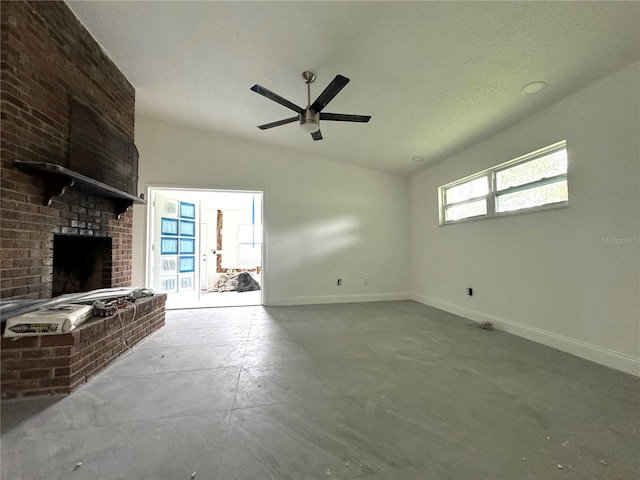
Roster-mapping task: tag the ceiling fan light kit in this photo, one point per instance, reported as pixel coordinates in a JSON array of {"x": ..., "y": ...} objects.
[
  {"x": 310, "y": 121},
  {"x": 310, "y": 117}
]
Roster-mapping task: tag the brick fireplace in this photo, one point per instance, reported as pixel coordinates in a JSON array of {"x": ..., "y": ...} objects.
[
  {"x": 47, "y": 58},
  {"x": 67, "y": 110}
]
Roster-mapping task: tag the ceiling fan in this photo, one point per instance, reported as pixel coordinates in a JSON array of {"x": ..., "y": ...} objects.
[{"x": 310, "y": 117}]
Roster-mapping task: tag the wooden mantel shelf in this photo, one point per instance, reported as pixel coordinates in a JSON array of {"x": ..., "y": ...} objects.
[{"x": 58, "y": 178}]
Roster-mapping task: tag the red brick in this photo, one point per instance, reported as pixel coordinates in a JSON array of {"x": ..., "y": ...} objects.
[
  {"x": 37, "y": 393},
  {"x": 19, "y": 385},
  {"x": 62, "y": 372},
  {"x": 62, "y": 351},
  {"x": 44, "y": 373},
  {"x": 10, "y": 354},
  {"x": 37, "y": 353},
  {"x": 9, "y": 376},
  {"x": 54, "y": 382},
  {"x": 74, "y": 384},
  {"x": 57, "y": 340},
  {"x": 12, "y": 343},
  {"x": 32, "y": 364}
]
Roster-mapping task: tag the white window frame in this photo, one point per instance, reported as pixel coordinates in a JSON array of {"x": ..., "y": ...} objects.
[{"x": 493, "y": 194}]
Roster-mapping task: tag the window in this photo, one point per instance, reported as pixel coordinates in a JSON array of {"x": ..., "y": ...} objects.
[
  {"x": 250, "y": 244},
  {"x": 533, "y": 182}
]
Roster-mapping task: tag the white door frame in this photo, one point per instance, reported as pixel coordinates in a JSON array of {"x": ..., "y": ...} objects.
[{"x": 150, "y": 222}]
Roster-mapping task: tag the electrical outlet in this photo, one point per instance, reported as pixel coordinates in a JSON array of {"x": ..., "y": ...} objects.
[
  {"x": 470, "y": 292},
  {"x": 339, "y": 282}
]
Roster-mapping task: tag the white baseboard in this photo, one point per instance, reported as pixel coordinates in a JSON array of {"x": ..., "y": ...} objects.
[
  {"x": 322, "y": 299},
  {"x": 588, "y": 351}
]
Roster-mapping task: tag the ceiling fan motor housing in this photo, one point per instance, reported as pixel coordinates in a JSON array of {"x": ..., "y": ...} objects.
[{"x": 310, "y": 120}]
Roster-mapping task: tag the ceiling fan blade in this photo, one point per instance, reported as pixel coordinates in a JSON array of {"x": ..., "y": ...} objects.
[
  {"x": 343, "y": 117},
  {"x": 278, "y": 123},
  {"x": 276, "y": 98},
  {"x": 331, "y": 91},
  {"x": 316, "y": 135}
]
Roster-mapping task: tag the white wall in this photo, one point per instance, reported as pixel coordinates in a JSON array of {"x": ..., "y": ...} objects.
[
  {"x": 323, "y": 220},
  {"x": 549, "y": 276}
]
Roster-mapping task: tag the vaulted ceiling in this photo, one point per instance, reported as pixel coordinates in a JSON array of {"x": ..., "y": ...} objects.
[{"x": 436, "y": 77}]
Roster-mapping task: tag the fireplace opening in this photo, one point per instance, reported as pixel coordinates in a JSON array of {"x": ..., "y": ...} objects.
[{"x": 81, "y": 263}]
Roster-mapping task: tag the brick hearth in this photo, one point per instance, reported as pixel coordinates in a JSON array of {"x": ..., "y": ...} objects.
[{"x": 58, "y": 364}]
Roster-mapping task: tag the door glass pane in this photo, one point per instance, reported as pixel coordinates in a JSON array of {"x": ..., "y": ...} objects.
[
  {"x": 187, "y": 210},
  {"x": 187, "y": 228},
  {"x": 187, "y": 245},
  {"x": 186, "y": 282},
  {"x": 187, "y": 264},
  {"x": 168, "y": 284},
  {"x": 168, "y": 226},
  {"x": 168, "y": 245},
  {"x": 169, "y": 265},
  {"x": 169, "y": 207}
]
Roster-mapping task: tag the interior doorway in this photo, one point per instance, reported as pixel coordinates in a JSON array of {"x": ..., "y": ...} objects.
[{"x": 205, "y": 247}]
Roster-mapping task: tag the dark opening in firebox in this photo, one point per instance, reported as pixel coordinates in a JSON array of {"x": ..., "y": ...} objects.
[{"x": 80, "y": 263}]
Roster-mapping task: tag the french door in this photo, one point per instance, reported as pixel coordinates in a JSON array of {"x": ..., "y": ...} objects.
[{"x": 175, "y": 266}]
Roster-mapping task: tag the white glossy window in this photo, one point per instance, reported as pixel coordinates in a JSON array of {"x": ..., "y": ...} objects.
[{"x": 533, "y": 182}]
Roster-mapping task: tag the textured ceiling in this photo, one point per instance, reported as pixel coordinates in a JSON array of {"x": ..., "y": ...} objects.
[{"x": 436, "y": 77}]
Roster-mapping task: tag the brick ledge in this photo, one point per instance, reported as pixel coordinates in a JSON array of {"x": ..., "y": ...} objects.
[{"x": 59, "y": 364}]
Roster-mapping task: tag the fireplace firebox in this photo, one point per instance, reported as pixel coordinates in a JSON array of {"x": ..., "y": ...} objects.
[{"x": 81, "y": 263}]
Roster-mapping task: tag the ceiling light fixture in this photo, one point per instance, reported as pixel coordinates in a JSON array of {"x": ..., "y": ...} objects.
[
  {"x": 533, "y": 88},
  {"x": 417, "y": 159},
  {"x": 310, "y": 121},
  {"x": 310, "y": 127}
]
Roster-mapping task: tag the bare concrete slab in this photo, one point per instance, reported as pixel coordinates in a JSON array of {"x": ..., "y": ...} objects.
[{"x": 389, "y": 390}]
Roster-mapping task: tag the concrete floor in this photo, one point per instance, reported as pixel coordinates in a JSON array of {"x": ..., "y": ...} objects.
[
  {"x": 393, "y": 390},
  {"x": 180, "y": 301}
]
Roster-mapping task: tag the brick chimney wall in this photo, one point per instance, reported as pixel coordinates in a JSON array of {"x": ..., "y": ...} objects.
[{"x": 47, "y": 55}]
